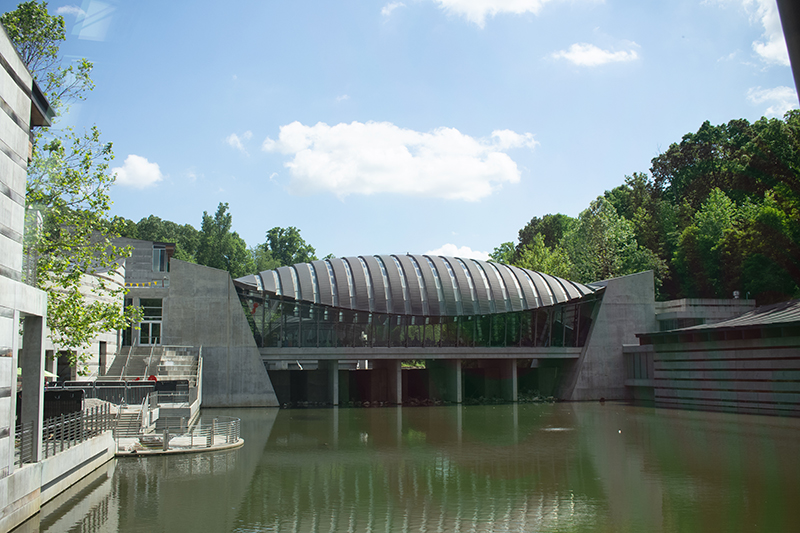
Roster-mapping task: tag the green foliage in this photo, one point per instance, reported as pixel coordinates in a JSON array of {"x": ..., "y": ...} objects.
[
  {"x": 262, "y": 258},
  {"x": 287, "y": 247},
  {"x": 539, "y": 257},
  {"x": 37, "y": 36},
  {"x": 601, "y": 243},
  {"x": 76, "y": 261},
  {"x": 185, "y": 237},
  {"x": 221, "y": 248},
  {"x": 551, "y": 227},
  {"x": 503, "y": 253},
  {"x": 68, "y": 185},
  {"x": 721, "y": 213}
]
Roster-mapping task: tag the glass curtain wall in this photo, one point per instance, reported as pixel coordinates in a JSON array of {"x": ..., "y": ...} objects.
[{"x": 279, "y": 322}]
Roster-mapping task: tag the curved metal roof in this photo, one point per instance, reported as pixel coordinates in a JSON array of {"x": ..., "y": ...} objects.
[{"x": 422, "y": 285}]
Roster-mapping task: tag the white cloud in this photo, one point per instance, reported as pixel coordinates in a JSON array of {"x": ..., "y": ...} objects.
[
  {"x": 70, "y": 10},
  {"x": 476, "y": 11},
  {"x": 237, "y": 142},
  {"x": 379, "y": 157},
  {"x": 137, "y": 172},
  {"x": 391, "y": 6},
  {"x": 452, "y": 250},
  {"x": 773, "y": 48},
  {"x": 589, "y": 55},
  {"x": 342, "y": 97},
  {"x": 784, "y": 98}
]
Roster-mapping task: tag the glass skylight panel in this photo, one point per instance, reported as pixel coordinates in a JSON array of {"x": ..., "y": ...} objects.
[
  {"x": 334, "y": 288},
  {"x": 517, "y": 286},
  {"x": 278, "y": 288},
  {"x": 502, "y": 286},
  {"x": 406, "y": 298},
  {"x": 437, "y": 281},
  {"x": 295, "y": 282},
  {"x": 349, "y": 283},
  {"x": 459, "y": 305},
  {"x": 314, "y": 283},
  {"x": 386, "y": 289},
  {"x": 421, "y": 281},
  {"x": 489, "y": 290},
  {"x": 533, "y": 289},
  {"x": 471, "y": 283},
  {"x": 370, "y": 291}
]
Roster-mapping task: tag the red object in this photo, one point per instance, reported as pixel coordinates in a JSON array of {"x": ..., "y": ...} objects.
[{"x": 152, "y": 378}]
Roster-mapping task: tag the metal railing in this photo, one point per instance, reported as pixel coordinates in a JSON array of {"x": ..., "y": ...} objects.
[
  {"x": 220, "y": 431},
  {"x": 62, "y": 432},
  {"x": 172, "y": 397},
  {"x": 116, "y": 392}
]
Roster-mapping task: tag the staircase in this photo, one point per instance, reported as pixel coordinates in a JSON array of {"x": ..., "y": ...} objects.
[
  {"x": 129, "y": 424},
  {"x": 174, "y": 365},
  {"x": 135, "y": 362}
]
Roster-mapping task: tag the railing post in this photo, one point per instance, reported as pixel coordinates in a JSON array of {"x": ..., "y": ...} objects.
[
  {"x": 21, "y": 443},
  {"x": 166, "y": 438}
]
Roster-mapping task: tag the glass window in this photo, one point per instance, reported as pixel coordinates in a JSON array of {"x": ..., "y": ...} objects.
[
  {"x": 151, "y": 308},
  {"x": 159, "y": 259}
]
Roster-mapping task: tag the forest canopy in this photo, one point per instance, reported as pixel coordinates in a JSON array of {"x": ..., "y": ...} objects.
[{"x": 718, "y": 212}]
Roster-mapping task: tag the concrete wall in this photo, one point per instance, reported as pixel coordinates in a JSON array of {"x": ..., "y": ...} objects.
[
  {"x": 17, "y": 300},
  {"x": 15, "y": 116},
  {"x": 139, "y": 266},
  {"x": 203, "y": 309},
  {"x": 23, "y": 493},
  {"x": 628, "y": 307}
]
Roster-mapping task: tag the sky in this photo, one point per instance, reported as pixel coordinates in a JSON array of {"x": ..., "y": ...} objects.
[{"x": 412, "y": 126}]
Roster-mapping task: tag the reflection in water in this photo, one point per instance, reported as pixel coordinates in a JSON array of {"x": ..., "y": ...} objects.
[{"x": 563, "y": 467}]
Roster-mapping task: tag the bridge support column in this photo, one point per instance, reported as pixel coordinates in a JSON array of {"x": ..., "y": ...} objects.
[
  {"x": 332, "y": 368},
  {"x": 394, "y": 379},
  {"x": 508, "y": 379},
  {"x": 445, "y": 379}
]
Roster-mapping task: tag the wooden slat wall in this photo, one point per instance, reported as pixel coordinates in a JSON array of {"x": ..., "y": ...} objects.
[{"x": 746, "y": 378}]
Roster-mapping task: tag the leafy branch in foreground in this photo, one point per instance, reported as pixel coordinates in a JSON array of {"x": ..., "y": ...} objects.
[{"x": 68, "y": 185}]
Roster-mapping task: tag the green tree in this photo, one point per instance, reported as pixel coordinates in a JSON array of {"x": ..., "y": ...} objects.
[
  {"x": 698, "y": 260},
  {"x": 539, "y": 257},
  {"x": 602, "y": 244},
  {"x": 551, "y": 227},
  {"x": 68, "y": 184},
  {"x": 503, "y": 253},
  {"x": 287, "y": 247},
  {"x": 262, "y": 258},
  {"x": 221, "y": 248},
  {"x": 37, "y": 36},
  {"x": 185, "y": 237}
]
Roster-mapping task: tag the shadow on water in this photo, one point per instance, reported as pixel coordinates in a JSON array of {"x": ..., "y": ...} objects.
[{"x": 529, "y": 467}]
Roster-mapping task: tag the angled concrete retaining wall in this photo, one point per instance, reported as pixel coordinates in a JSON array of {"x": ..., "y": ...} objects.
[{"x": 203, "y": 309}]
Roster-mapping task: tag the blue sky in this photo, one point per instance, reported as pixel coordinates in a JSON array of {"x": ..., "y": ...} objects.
[{"x": 393, "y": 127}]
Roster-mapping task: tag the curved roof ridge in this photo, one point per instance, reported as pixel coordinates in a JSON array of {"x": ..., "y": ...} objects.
[{"x": 538, "y": 290}]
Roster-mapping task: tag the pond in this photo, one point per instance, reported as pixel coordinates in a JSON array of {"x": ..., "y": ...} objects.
[{"x": 525, "y": 467}]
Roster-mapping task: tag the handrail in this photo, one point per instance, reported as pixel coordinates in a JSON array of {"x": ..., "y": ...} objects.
[
  {"x": 149, "y": 361},
  {"x": 127, "y": 360},
  {"x": 62, "y": 432},
  {"x": 145, "y": 402},
  {"x": 222, "y": 431}
]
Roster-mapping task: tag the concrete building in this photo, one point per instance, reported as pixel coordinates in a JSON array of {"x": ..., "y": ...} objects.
[
  {"x": 746, "y": 364},
  {"x": 26, "y": 485}
]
